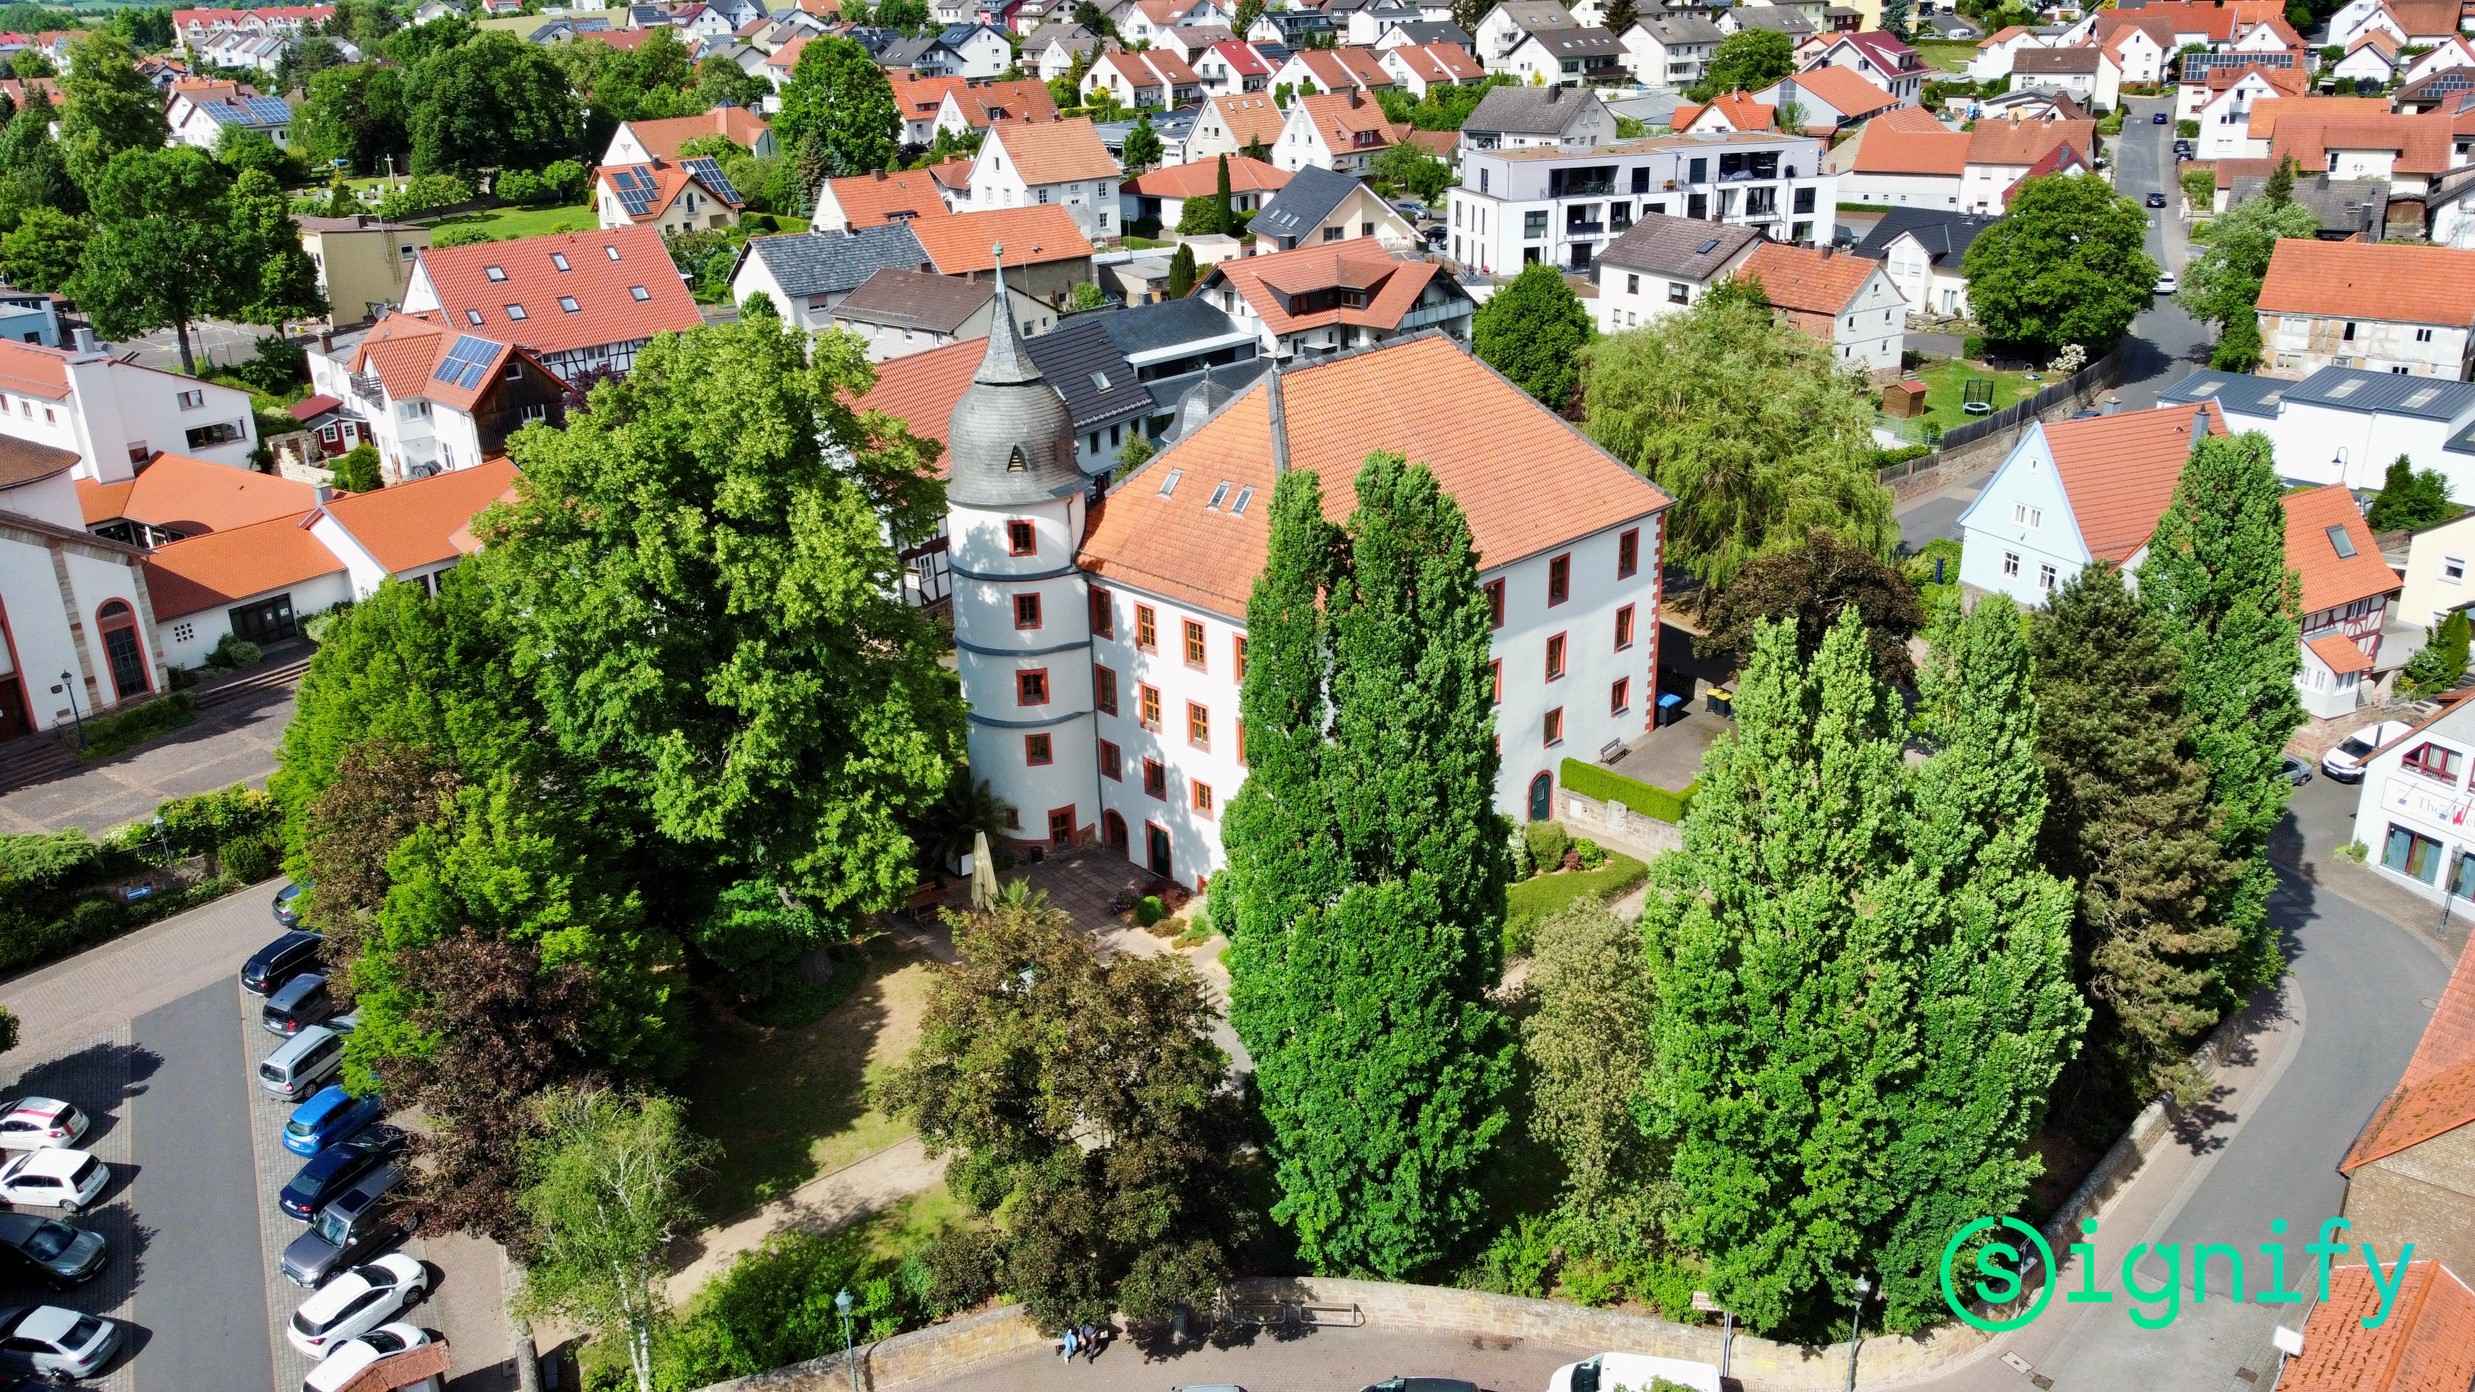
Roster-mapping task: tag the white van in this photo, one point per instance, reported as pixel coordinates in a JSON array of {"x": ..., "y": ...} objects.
[
  {"x": 302, "y": 1065},
  {"x": 1608, "y": 1372}
]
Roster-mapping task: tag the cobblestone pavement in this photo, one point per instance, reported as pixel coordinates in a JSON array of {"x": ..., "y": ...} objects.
[{"x": 230, "y": 744}]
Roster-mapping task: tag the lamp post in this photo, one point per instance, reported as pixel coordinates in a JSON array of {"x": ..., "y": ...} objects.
[
  {"x": 68, "y": 687},
  {"x": 850, "y": 1357},
  {"x": 1856, "y": 1326}
]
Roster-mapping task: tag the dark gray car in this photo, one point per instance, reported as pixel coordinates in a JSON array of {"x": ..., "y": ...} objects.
[
  {"x": 56, "y": 1253},
  {"x": 303, "y": 1001},
  {"x": 356, "y": 1225}
]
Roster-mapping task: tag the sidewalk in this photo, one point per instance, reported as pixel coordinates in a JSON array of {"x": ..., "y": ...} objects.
[
  {"x": 820, "y": 1205},
  {"x": 240, "y": 722}
]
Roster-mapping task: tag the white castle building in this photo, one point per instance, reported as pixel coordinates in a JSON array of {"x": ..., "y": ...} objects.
[{"x": 1101, "y": 640}]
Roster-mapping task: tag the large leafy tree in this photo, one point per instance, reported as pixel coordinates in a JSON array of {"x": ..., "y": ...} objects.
[
  {"x": 1081, "y": 1099},
  {"x": 162, "y": 252},
  {"x": 108, "y": 107},
  {"x": 43, "y": 252},
  {"x": 2128, "y": 822},
  {"x": 1586, "y": 1037},
  {"x": 838, "y": 115},
  {"x": 1862, "y": 979},
  {"x": 2216, "y": 575},
  {"x": 1367, "y": 870},
  {"x": 356, "y": 114},
  {"x": 2410, "y": 499},
  {"x": 272, "y": 278},
  {"x": 33, "y": 171},
  {"x": 1813, "y": 585},
  {"x": 1747, "y": 425},
  {"x": 494, "y": 103},
  {"x": 2222, "y": 283},
  {"x": 1142, "y": 145},
  {"x": 1746, "y": 61},
  {"x": 2065, "y": 265},
  {"x": 383, "y": 788},
  {"x": 701, "y": 597},
  {"x": 1533, "y": 331}
]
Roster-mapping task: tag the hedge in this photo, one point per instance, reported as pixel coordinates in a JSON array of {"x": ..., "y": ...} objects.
[
  {"x": 1607, "y": 785},
  {"x": 1542, "y": 896}
]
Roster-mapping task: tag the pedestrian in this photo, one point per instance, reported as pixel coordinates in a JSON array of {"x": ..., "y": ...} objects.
[
  {"x": 1091, "y": 1342},
  {"x": 1066, "y": 1346}
]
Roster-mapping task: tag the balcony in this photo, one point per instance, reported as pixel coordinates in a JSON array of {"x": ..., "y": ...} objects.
[{"x": 1584, "y": 229}]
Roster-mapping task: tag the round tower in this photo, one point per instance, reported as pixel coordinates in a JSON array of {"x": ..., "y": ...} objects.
[{"x": 1022, "y": 617}]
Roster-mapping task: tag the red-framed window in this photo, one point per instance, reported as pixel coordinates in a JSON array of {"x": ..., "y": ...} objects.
[
  {"x": 1103, "y": 689},
  {"x": 1624, "y": 628},
  {"x": 1495, "y": 676},
  {"x": 1146, "y": 628},
  {"x": 1559, "y": 580},
  {"x": 1628, "y": 552},
  {"x": 1021, "y": 538},
  {"x": 1555, "y": 727},
  {"x": 1194, "y": 644},
  {"x": 1198, "y": 725},
  {"x": 1155, "y": 780},
  {"x": 1031, "y": 686},
  {"x": 1038, "y": 751},
  {"x": 1103, "y": 614},
  {"x": 1201, "y": 799},
  {"x": 1112, "y": 763},
  {"x": 2432, "y": 761},
  {"x": 1555, "y": 657},
  {"x": 1237, "y": 655},
  {"x": 1026, "y": 611},
  {"x": 123, "y": 650},
  {"x": 1147, "y": 705},
  {"x": 1495, "y": 604},
  {"x": 1620, "y": 696},
  {"x": 1061, "y": 825}
]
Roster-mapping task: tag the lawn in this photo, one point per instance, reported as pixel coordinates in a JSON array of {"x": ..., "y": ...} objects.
[
  {"x": 792, "y": 1103},
  {"x": 1541, "y": 897},
  {"x": 504, "y": 224},
  {"x": 1947, "y": 56},
  {"x": 1946, "y": 386}
]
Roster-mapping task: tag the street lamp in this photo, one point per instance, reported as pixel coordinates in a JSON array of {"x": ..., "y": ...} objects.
[
  {"x": 1856, "y": 1327},
  {"x": 850, "y": 1356},
  {"x": 68, "y": 687}
]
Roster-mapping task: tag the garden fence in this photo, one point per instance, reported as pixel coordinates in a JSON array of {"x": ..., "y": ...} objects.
[{"x": 2103, "y": 372}]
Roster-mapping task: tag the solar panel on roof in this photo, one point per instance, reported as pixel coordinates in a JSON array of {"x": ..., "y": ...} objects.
[
  {"x": 635, "y": 190},
  {"x": 1707, "y": 247},
  {"x": 466, "y": 362},
  {"x": 708, "y": 172}
]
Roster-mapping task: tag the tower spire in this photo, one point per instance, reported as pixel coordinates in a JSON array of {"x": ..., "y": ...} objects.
[{"x": 1005, "y": 363}]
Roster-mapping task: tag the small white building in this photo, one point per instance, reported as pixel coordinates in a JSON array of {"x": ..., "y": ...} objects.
[
  {"x": 2412, "y": 813},
  {"x": 2345, "y": 424},
  {"x": 1841, "y": 300},
  {"x": 1996, "y": 52},
  {"x": 691, "y": 195},
  {"x": 1506, "y": 27},
  {"x": 1527, "y": 118},
  {"x": 1024, "y": 164},
  {"x": 2073, "y": 493},
  {"x": 2347, "y": 588},
  {"x": 72, "y": 604},
  {"x": 1923, "y": 251},
  {"x": 1668, "y": 52},
  {"x": 116, "y": 415},
  {"x": 1341, "y": 131},
  {"x": 202, "y": 124},
  {"x": 1663, "y": 265}
]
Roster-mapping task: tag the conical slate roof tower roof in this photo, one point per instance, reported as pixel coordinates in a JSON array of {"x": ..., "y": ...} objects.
[{"x": 1011, "y": 440}]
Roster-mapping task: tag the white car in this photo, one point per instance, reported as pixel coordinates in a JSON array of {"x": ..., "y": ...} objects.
[
  {"x": 1608, "y": 1372},
  {"x": 51, "y": 1342},
  {"x": 2166, "y": 283},
  {"x": 356, "y": 1302},
  {"x": 39, "y": 1123},
  {"x": 2345, "y": 763},
  {"x": 347, "y": 1360},
  {"x": 59, "y": 1178}
]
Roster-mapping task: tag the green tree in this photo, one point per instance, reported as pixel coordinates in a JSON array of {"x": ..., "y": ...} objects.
[
  {"x": 1081, "y": 1100},
  {"x": 721, "y": 82},
  {"x": 108, "y": 106},
  {"x": 1746, "y": 61},
  {"x": 1406, "y": 169},
  {"x": 29, "y": 63},
  {"x": 496, "y": 102},
  {"x": 382, "y": 790},
  {"x": 33, "y": 171},
  {"x": 273, "y": 278},
  {"x": 1142, "y": 145},
  {"x": 1181, "y": 271},
  {"x": 2410, "y": 500},
  {"x": 1812, "y": 585},
  {"x": 608, "y": 1191},
  {"x": 1366, "y": 872},
  {"x": 2129, "y": 823},
  {"x": 2222, "y": 283},
  {"x": 161, "y": 253},
  {"x": 1533, "y": 331},
  {"x": 2280, "y": 188},
  {"x": 2216, "y": 575},
  {"x": 356, "y": 114},
  {"x": 2238, "y": 349},
  {"x": 356, "y": 469},
  {"x": 42, "y": 253},
  {"x": 144, "y": 30},
  {"x": 312, "y": 55},
  {"x": 2064, "y": 265},
  {"x": 1586, "y": 1036},
  {"x": 1746, "y": 424},
  {"x": 1204, "y": 217},
  {"x": 2440, "y": 664},
  {"x": 1621, "y": 15},
  {"x": 790, "y": 739},
  {"x": 837, "y": 115},
  {"x": 240, "y": 149},
  {"x": 1244, "y": 16}
]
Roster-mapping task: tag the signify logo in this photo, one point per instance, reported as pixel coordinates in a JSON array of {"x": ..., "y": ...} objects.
[{"x": 2003, "y": 1268}]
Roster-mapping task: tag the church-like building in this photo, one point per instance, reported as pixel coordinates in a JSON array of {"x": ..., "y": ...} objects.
[{"x": 1101, "y": 636}]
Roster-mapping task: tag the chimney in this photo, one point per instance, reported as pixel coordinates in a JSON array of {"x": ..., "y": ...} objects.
[
  {"x": 325, "y": 494},
  {"x": 83, "y": 339},
  {"x": 1357, "y": 97}
]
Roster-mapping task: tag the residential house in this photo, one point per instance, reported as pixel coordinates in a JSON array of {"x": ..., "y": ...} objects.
[
  {"x": 2085, "y": 74},
  {"x": 973, "y": 51},
  {"x": 1172, "y": 127},
  {"x": 581, "y": 302},
  {"x": 2352, "y": 1342},
  {"x": 1900, "y": 165},
  {"x": 872, "y": 200},
  {"x": 1153, "y": 79},
  {"x": 1367, "y": 24},
  {"x": 2457, "y": 52},
  {"x": 807, "y": 275},
  {"x": 2348, "y": 209},
  {"x": 2031, "y": 104},
  {"x": 1922, "y": 250},
  {"x": 1662, "y": 265},
  {"x": 1728, "y": 111},
  {"x": 1159, "y": 196},
  {"x": 1312, "y": 70},
  {"x": 114, "y": 415},
  {"x": 1519, "y": 118},
  {"x": 690, "y": 195},
  {"x": 1319, "y": 206},
  {"x": 2261, "y": 115},
  {"x": 899, "y": 312},
  {"x": 2138, "y": 53},
  {"x": 1426, "y": 31},
  {"x": 2411, "y": 1165},
  {"x": 2345, "y": 424},
  {"x": 972, "y": 108},
  {"x": 1233, "y": 125},
  {"x": 2225, "y": 114},
  {"x": 1668, "y": 52},
  {"x": 1421, "y": 68},
  {"x": 1053, "y": 49},
  {"x": 1293, "y": 29},
  {"x": 1577, "y": 57},
  {"x": 2388, "y": 307},
  {"x": 188, "y": 26},
  {"x": 2413, "y": 23},
  {"x": 1845, "y": 302},
  {"x": 1560, "y": 206},
  {"x": 2002, "y": 153},
  {"x": 1877, "y": 57},
  {"x": 1826, "y": 100},
  {"x": 1025, "y": 163},
  {"x": 642, "y": 142},
  {"x": 2073, "y": 493},
  {"x": 1046, "y": 251},
  {"x": 2411, "y": 152},
  {"x": 1342, "y": 131},
  {"x": 364, "y": 263},
  {"x": 1192, "y": 41},
  {"x": 1510, "y": 24},
  {"x": 79, "y": 623},
  {"x": 2347, "y": 589},
  {"x": 1776, "y": 19},
  {"x": 1330, "y": 297},
  {"x": 2432, "y": 577},
  {"x": 917, "y": 103},
  {"x": 435, "y": 400},
  {"x": 1146, "y": 21},
  {"x": 2373, "y": 57},
  {"x": 1231, "y": 67},
  {"x": 204, "y": 123}
]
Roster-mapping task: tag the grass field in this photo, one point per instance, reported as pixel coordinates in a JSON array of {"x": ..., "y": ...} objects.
[
  {"x": 504, "y": 224},
  {"x": 1947, "y": 56},
  {"x": 1946, "y": 387}
]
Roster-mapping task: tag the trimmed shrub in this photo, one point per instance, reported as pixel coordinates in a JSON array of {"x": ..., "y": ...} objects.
[
  {"x": 1547, "y": 842},
  {"x": 1607, "y": 785},
  {"x": 1148, "y": 910},
  {"x": 1588, "y": 854},
  {"x": 130, "y": 726},
  {"x": 234, "y": 653},
  {"x": 1973, "y": 347},
  {"x": 1533, "y": 901}
]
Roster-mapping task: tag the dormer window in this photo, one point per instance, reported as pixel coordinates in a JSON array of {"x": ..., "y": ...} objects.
[{"x": 1015, "y": 463}]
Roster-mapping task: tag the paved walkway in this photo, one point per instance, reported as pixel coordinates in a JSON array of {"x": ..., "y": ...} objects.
[{"x": 233, "y": 740}]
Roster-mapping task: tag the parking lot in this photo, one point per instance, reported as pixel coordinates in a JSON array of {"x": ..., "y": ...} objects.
[{"x": 154, "y": 1039}]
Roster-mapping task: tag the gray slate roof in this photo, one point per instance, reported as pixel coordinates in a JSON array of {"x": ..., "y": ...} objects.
[
  {"x": 2242, "y": 393},
  {"x": 1305, "y": 201},
  {"x": 830, "y": 263},
  {"x": 1088, "y": 370},
  {"x": 1527, "y": 110},
  {"x": 2354, "y": 389},
  {"x": 906, "y": 52},
  {"x": 1195, "y": 396},
  {"x": 2344, "y": 206},
  {"x": 1683, "y": 29},
  {"x": 1163, "y": 325},
  {"x": 1011, "y": 440},
  {"x": 906, "y": 299},
  {"x": 1685, "y": 247},
  {"x": 1430, "y": 31},
  {"x": 2054, "y": 60},
  {"x": 1776, "y": 18},
  {"x": 1944, "y": 235},
  {"x": 1531, "y": 16},
  {"x": 1075, "y": 37},
  {"x": 1580, "y": 43}
]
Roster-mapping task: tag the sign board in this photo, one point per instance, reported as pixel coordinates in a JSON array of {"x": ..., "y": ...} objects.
[{"x": 1706, "y": 1303}]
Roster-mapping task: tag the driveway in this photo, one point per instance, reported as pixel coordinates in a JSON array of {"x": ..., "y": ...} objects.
[
  {"x": 214, "y": 345},
  {"x": 231, "y": 741}
]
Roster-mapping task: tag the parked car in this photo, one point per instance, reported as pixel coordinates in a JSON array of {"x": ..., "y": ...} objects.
[
  {"x": 1607, "y": 1372},
  {"x": 52, "y": 1342},
  {"x": 2157, "y": 118},
  {"x": 356, "y": 1302},
  {"x": 2297, "y": 772},
  {"x": 303, "y": 1001},
  {"x": 1420, "y": 1384},
  {"x": 332, "y": 1170},
  {"x": 330, "y": 1115},
  {"x": 58, "y": 1254},
  {"x": 64, "y": 1179},
  {"x": 2167, "y": 284},
  {"x": 271, "y": 966},
  {"x": 346, "y": 1361},
  {"x": 288, "y": 903},
  {"x": 39, "y": 1123},
  {"x": 360, "y": 1222},
  {"x": 2156, "y": 200},
  {"x": 306, "y": 1060},
  {"x": 2345, "y": 762}
]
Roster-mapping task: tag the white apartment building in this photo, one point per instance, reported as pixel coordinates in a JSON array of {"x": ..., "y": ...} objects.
[
  {"x": 115, "y": 415},
  {"x": 2345, "y": 424},
  {"x": 1562, "y": 207}
]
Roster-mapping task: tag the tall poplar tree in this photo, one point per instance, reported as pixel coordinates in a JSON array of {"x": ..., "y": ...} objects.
[
  {"x": 2129, "y": 823},
  {"x": 2216, "y": 575},
  {"x": 1366, "y": 876}
]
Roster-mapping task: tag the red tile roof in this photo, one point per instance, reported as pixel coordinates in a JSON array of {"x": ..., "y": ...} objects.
[
  {"x": 193, "y": 495},
  {"x": 961, "y": 244},
  {"x": 2426, "y": 1344},
  {"x": 2119, "y": 472},
  {"x": 227, "y": 566},
  {"x": 2424, "y": 144},
  {"x": 1524, "y": 477},
  {"x": 604, "y": 271},
  {"x": 1894, "y": 149},
  {"x": 404, "y": 351},
  {"x": 2291, "y": 81},
  {"x": 953, "y": 175},
  {"x": 2371, "y": 280},
  {"x": 663, "y": 138},
  {"x": 2330, "y": 579},
  {"x": 982, "y": 104},
  {"x": 1812, "y": 286},
  {"x": 2026, "y": 142},
  {"x": 1341, "y": 116},
  {"x": 2339, "y": 653},
  {"x": 1201, "y": 179},
  {"x": 2436, "y": 1093},
  {"x": 1439, "y": 62},
  {"x": 1250, "y": 118},
  {"x": 1738, "y": 109},
  {"x": 2421, "y": 18},
  {"x": 30, "y": 369},
  {"x": 917, "y": 98},
  {"x": 1267, "y": 284},
  {"x": 870, "y": 200},
  {"x": 1847, "y": 90},
  {"x": 1341, "y": 69},
  {"x": 1054, "y": 152},
  {"x": 920, "y": 389},
  {"x": 1242, "y": 58},
  {"x": 414, "y": 524},
  {"x": 2261, "y": 124}
]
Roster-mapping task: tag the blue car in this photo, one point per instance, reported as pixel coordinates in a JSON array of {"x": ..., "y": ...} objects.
[
  {"x": 332, "y": 1170},
  {"x": 330, "y": 1115}
]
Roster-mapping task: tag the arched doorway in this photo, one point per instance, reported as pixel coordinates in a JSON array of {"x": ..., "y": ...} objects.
[
  {"x": 121, "y": 648},
  {"x": 1113, "y": 832},
  {"x": 1542, "y": 797}
]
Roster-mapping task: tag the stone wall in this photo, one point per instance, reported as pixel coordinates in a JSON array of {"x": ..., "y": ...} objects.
[
  {"x": 1615, "y": 824},
  {"x": 933, "y": 1354}
]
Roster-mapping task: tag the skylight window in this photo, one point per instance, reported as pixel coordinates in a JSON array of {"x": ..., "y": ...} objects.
[
  {"x": 559, "y": 259},
  {"x": 613, "y": 250},
  {"x": 2208, "y": 389},
  {"x": 568, "y": 303},
  {"x": 2346, "y": 389},
  {"x": 640, "y": 292},
  {"x": 2343, "y": 544},
  {"x": 1219, "y": 496},
  {"x": 495, "y": 272},
  {"x": 472, "y": 316},
  {"x": 1100, "y": 380},
  {"x": 2421, "y": 396},
  {"x": 514, "y": 311},
  {"x": 1169, "y": 485},
  {"x": 1238, "y": 508}
]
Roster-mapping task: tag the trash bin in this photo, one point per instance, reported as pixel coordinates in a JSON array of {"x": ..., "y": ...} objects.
[
  {"x": 1671, "y": 709},
  {"x": 1723, "y": 700}
]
